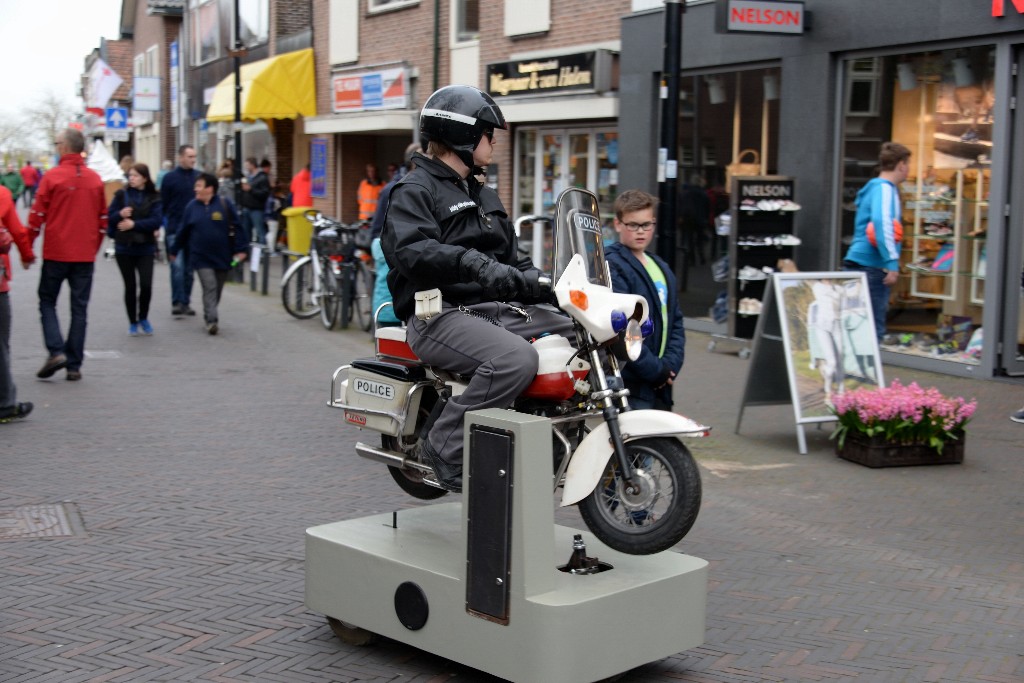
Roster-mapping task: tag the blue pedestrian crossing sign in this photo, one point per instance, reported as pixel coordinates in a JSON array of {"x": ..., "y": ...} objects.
[{"x": 117, "y": 118}]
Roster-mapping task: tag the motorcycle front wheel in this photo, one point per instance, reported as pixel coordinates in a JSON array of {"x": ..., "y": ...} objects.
[{"x": 662, "y": 508}]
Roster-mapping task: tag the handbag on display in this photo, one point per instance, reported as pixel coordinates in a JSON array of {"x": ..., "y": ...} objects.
[{"x": 738, "y": 167}]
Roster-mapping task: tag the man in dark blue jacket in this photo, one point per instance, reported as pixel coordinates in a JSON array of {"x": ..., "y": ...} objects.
[
  {"x": 649, "y": 378},
  {"x": 213, "y": 235},
  {"x": 176, "y": 191}
]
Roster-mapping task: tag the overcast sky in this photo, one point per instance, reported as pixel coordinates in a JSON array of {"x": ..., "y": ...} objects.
[{"x": 44, "y": 44}]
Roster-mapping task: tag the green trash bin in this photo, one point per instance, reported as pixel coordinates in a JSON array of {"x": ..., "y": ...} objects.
[{"x": 299, "y": 229}]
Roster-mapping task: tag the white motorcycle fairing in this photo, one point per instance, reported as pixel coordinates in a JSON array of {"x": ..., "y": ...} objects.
[
  {"x": 593, "y": 310},
  {"x": 591, "y": 456}
]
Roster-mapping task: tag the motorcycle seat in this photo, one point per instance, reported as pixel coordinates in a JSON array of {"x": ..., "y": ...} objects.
[{"x": 397, "y": 371}]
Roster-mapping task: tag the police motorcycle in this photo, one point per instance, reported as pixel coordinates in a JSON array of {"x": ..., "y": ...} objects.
[{"x": 637, "y": 486}]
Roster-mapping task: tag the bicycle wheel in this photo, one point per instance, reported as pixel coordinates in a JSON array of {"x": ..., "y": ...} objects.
[
  {"x": 329, "y": 299},
  {"x": 362, "y": 297},
  {"x": 345, "y": 296},
  {"x": 298, "y": 291}
]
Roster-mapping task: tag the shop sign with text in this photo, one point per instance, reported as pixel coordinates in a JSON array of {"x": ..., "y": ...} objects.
[
  {"x": 761, "y": 16},
  {"x": 370, "y": 91},
  {"x": 999, "y": 7},
  {"x": 584, "y": 71}
]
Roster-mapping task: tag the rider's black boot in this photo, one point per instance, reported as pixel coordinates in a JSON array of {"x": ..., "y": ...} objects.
[{"x": 448, "y": 475}]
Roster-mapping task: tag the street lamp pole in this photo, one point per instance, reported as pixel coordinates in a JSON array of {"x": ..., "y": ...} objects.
[
  {"x": 237, "y": 56},
  {"x": 668, "y": 148}
]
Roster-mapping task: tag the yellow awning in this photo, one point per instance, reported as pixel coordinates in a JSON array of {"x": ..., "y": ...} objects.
[{"x": 280, "y": 87}]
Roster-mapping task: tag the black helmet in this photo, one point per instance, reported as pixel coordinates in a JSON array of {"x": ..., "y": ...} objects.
[{"x": 458, "y": 116}]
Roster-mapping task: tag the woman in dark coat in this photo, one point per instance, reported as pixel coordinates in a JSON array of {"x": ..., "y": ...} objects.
[{"x": 135, "y": 215}]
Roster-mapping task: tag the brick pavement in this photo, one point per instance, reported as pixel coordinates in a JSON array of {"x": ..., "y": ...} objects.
[{"x": 190, "y": 465}]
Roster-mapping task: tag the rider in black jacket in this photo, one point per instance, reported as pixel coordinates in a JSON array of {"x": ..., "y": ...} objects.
[{"x": 446, "y": 230}]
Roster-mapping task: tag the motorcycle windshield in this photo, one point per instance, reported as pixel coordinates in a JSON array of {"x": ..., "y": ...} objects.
[{"x": 578, "y": 231}]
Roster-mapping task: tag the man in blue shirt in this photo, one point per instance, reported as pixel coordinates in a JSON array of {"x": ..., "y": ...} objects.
[
  {"x": 213, "y": 235},
  {"x": 176, "y": 191}
]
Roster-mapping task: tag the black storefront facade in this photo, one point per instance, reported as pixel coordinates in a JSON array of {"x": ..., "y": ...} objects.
[{"x": 940, "y": 76}]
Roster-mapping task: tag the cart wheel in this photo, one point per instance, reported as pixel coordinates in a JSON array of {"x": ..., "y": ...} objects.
[
  {"x": 711, "y": 345},
  {"x": 351, "y": 635},
  {"x": 744, "y": 353}
]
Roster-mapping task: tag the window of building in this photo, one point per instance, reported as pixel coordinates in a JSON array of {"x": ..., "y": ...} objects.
[
  {"x": 467, "y": 20},
  {"x": 254, "y": 16},
  {"x": 386, "y": 5},
  {"x": 206, "y": 39},
  {"x": 941, "y": 105}
]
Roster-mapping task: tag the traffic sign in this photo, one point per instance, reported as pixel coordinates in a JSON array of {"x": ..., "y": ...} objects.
[{"x": 117, "y": 118}]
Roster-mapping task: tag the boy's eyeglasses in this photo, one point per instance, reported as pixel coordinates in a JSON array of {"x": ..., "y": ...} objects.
[{"x": 637, "y": 227}]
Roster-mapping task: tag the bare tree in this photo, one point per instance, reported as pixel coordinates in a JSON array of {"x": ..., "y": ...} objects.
[
  {"x": 48, "y": 115},
  {"x": 12, "y": 136}
]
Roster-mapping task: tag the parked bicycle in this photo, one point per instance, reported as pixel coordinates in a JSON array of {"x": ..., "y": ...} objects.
[{"x": 334, "y": 279}]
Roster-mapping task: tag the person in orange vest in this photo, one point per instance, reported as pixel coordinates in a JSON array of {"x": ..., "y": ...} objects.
[{"x": 369, "y": 191}]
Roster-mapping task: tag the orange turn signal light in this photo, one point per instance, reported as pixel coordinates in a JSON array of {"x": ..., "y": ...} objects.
[{"x": 578, "y": 298}]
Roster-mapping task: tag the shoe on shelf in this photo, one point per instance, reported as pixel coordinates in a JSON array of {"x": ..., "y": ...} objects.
[
  {"x": 133, "y": 330},
  {"x": 15, "y": 412},
  {"x": 147, "y": 329},
  {"x": 970, "y": 136},
  {"x": 74, "y": 375},
  {"x": 751, "y": 273},
  {"x": 448, "y": 476},
  {"x": 1016, "y": 417},
  {"x": 52, "y": 365},
  {"x": 211, "y": 328}
]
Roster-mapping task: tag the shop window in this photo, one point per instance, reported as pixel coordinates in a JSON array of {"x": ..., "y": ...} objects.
[
  {"x": 941, "y": 105},
  {"x": 721, "y": 115}
]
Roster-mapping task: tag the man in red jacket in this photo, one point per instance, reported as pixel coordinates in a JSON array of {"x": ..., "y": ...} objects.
[
  {"x": 11, "y": 230},
  {"x": 30, "y": 178},
  {"x": 70, "y": 202}
]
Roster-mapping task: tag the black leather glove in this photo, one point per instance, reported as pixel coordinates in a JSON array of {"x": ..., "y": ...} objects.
[
  {"x": 534, "y": 291},
  {"x": 499, "y": 280}
]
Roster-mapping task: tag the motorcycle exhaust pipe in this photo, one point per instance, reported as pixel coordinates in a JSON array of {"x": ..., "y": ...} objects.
[{"x": 390, "y": 458}]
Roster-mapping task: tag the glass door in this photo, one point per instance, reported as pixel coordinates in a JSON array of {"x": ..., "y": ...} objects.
[{"x": 1012, "y": 338}]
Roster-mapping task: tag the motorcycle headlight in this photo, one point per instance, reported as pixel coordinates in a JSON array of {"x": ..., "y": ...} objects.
[
  {"x": 647, "y": 328},
  {"x": 618, "y": 321},
  {"x": 633, "y": 339}
]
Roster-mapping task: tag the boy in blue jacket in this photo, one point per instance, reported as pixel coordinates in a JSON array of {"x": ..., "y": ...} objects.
[
  {"x": 634, "y": 271},
  {"x": 212, "y": 234}
]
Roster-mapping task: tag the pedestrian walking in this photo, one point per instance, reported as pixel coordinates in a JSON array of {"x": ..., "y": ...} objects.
[
  {"x": 11, "y": 231},
  {"x": 11, "y": 179},
  {"x": 255, "y": 192},
  {"x": 635, "y": 271},
  {"x": 211, "y": 232},
  {"x": 878, "y": 232},
  {"x": 135, "y": 215},
  {"x": 71, "y": 204},
  {"x": 30, "y": 179},
  {"x": 176, "y": 191}
]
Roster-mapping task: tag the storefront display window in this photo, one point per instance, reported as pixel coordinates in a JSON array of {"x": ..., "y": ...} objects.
[
  {"x": 941, "y": 105},
  {"x": 723, "y": 117},
  {"x": 550, "y": 160}
]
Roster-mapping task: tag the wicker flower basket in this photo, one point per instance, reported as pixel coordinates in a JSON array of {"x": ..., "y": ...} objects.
[{"x": 877, "y": 452}]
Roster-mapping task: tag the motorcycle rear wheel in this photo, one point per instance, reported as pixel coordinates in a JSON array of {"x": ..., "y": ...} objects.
[
  {"x": 411, "y": 481},
  {"x": 660, "y": 513}
]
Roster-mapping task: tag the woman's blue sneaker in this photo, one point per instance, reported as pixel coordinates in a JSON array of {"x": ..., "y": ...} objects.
[
  {"x": 147, "y": 329},
  {"x": 133, "y": 330}
]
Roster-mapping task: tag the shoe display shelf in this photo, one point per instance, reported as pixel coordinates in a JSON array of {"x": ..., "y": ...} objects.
[
  {"x": 762, "y": 209},
  {"x": 947, "y": 237}
]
